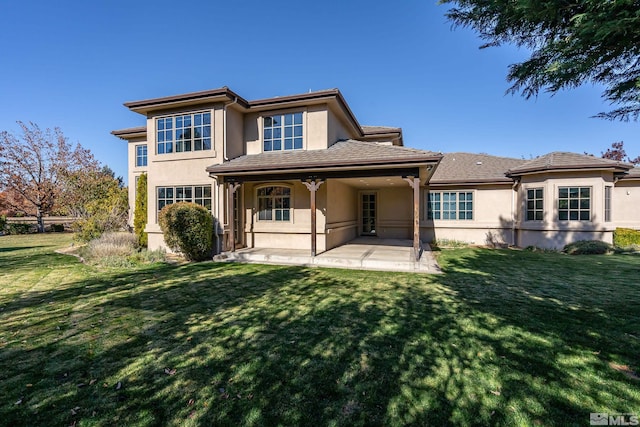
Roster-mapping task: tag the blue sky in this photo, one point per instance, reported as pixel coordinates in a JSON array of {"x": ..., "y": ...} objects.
[{"x": 73, "y": 63}]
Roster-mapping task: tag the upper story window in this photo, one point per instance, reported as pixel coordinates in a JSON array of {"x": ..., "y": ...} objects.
[
  {"x": 187, "y": 132},
  {"x": 283, "y": 132},
  {"x": 535, "y": 204},
  {"x": 450, "y": 205},
  {"x": 574, "y": 203},
  {"x": 274, "y": 203},
  {"x": 141, "y": 155}
]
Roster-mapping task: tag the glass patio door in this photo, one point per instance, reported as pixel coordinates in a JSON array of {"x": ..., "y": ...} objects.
[{"x": 368, "y": 214}]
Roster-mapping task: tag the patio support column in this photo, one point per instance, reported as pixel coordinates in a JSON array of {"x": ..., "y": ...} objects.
[
  {"x": 313, "y": 186},
  {"x": 414, "y": 182},
  {"x": 233, "y": 186}
]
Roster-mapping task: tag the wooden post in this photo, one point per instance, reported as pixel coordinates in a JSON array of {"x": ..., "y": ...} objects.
[
  {"x": 233, "y": 186},
  {"x": 414, "y": 182},
  {"x": 313, "y": 186}
]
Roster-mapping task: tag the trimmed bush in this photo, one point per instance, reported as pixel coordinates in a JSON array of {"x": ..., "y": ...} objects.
[
  {"x": 588, "y": 247},
  {"x": 21, "y": 228},
  {"x": 625, "y": 237},
  {"x": 3, "y": 222},
  {"x": 188, "y": 228},
  {"x": 57, "y": 228},
  {"x": 140, "y": 212}
]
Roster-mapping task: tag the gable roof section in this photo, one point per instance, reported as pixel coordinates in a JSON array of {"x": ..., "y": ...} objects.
[
  {"x": 224, "y": 94},
  {"x": 558, "y": 161},
  {"x": 343, "y": 154},
  {"x": 469, "y": 168}
]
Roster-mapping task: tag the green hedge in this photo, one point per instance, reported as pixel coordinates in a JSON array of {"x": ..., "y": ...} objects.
[
  {"x": 588, "y": 247},
  {"x": 625, "y": 237},
  {"x": 188, "y": 228},
  {"x": 20, "y": 228}
]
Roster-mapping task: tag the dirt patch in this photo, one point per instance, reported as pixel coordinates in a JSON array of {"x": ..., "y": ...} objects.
[{"x": 626, "y": 370}]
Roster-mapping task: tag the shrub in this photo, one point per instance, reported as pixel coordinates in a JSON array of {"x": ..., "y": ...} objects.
[
  {"x": 588, "y": 247},
  {"x": 626, "y": 237},
  {"x": 188, "y": 228},
  {"x": 21, "y": 228},
  {"x": 3, "y": 222},
  {"x": 57, "y": 228},
  {"x": 140, "y": 212},
  {"x": 118, "y": 250}
]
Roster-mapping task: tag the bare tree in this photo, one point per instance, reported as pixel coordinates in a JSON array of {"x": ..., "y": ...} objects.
[{"x": 33, "y": 167}]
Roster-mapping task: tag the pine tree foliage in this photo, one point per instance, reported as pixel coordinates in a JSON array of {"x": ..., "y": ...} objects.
[{"x": 571, "y": 41}]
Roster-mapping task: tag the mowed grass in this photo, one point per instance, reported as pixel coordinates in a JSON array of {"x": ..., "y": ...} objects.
[{"x": 501, "y": 338}]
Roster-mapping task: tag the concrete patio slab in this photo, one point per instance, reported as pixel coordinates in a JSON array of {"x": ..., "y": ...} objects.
[{"x": 363, "y": 253}]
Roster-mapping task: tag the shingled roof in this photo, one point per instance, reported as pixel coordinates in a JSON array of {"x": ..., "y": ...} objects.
[
  {"x": 345, "y": 153},
  {"x": 559, "y": 160},
  {"x": 469, "y": 168},
  {"x": 634, "y": 173}
]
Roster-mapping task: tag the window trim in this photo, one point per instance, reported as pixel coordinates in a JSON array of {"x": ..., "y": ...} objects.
[
  {"x": 174, "y": 128},
  {"x": 579, "y": 199},
  {"x": 257, "y": 204},
  {"x": 302, "y": 125},
  {"x": 535, "y": 209},
  {"x": 430, "y": 213},
  {"x": 139, "y": 156},
  {"x": 193, "y": 196},
  {"x": 608, "y": 203}
]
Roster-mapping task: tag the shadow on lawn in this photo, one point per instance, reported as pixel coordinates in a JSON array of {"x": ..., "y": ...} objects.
[{"x": 260, "y": 345}]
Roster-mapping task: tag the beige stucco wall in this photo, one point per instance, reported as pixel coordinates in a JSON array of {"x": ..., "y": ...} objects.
[
  {"x": 491, "y": 217},
  {"x": 395, "y": 212},
  {"x": 315, "y": 120},
  {"x": 336, "y": 130},
  {"x": 626, "y": 203},
  {"x": 342, "y": 213},
  {"x": 235, "y": 133},
  {"x": 177, "y": 169},
  {"x": 294, "y": 234},
  {"x": 553, "y": 233}
]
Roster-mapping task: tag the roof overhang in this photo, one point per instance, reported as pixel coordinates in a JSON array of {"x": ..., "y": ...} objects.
[
  {"x": 470, "y": 182},
  {"x": 570, "y": 168},
  {"x": 223, "y": 94},
  {"x": 130, "y": 133}
]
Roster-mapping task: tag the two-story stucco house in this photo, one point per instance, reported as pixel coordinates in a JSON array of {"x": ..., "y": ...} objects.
[{"x": 301, "y": 172}]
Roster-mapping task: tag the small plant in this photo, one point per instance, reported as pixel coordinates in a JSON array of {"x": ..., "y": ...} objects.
[
  {"x": 188, "y": 228},
  {"x": 588, "y": 247},
  {"x": 449, "y": 243},
  {"x": 626, "y": 237},
  {"x": 119, "y": 249},
  {"x": 532, "y": 248}
]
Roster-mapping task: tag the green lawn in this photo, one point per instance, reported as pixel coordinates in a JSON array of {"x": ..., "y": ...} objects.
[{"x": 501, "y": 338}]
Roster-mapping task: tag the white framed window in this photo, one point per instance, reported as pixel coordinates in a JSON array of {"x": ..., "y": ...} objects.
[
  {"x": 274, "y": 203},
  {"x": 282, "y": 132},
  {"x": 534, "y": 210},
  {"x": 141, "y": 155},
  {"x": 200, "y": 194},
  {"x": 450, "y": 205},
  {"x": 607, "y": 203},
  {"x": 574, "y": 203},
  {"x": 183, "y": 133}
]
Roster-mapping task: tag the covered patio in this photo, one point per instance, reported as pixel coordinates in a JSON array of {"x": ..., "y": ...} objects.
[{"x": 362, "y": 253}]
